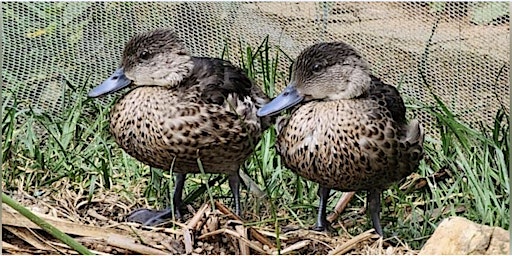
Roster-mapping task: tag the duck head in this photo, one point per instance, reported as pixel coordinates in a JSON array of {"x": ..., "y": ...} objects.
[
  {"x": 156, "y": 58},
  {"x": 324, "y": 71}
]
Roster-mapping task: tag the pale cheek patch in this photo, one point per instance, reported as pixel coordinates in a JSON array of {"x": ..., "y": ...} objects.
[
  {"x": 359, "y": 82},
  {"x": 173, "y": 70},
  {"x": 353, "y": 82}
]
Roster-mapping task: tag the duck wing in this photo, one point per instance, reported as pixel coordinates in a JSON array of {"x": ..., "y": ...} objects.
[
  {"x": 388, "y": 97},
  {"x": 217, "y": 78},
  {"x": 412, "y": 135}
]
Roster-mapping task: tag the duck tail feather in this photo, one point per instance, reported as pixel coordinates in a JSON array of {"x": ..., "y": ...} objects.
[{"x": 415, "y": 133}]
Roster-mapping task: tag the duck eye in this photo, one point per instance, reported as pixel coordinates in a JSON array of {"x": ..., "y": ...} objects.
[
  {"x": 145, "y": 55},
  {"x": 316, "y": 67}
]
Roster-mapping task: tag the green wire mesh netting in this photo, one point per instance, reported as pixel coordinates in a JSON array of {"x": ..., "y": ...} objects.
[{"x": 460, "y": 50}]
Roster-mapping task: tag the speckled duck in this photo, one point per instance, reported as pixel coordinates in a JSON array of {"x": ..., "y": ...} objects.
[
  {"x": 347, "y": 129},
  {"x": 181, "y": 108}
]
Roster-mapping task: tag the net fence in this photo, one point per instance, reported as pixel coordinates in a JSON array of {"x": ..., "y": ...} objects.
[{"x": 459, "y": 49}]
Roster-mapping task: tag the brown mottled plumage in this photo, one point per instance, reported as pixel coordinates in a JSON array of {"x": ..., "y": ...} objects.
[
  {"x": 183, "y": 108},
  {"x": 348, "y": 129}
]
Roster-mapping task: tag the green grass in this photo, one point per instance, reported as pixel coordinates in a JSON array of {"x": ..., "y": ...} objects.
[{"x": 40, "y": 149}]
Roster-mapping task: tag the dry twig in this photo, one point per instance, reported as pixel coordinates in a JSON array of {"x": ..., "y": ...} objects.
[
  {"x": 347, "y": 246},
  {"x": 341, "y": 205},
  {"x": 296, "y": 246},
  {"x": 254, "y": 233}
]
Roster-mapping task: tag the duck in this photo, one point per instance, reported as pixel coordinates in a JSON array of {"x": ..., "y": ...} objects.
[
  {"x": 346, "y": 129},
  {"x": 181, "y": 108}
]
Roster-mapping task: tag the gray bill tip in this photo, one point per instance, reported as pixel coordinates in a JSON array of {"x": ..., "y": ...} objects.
[
  {"x": 115, "y": 82},
  {"x": 288, "y": 98}
]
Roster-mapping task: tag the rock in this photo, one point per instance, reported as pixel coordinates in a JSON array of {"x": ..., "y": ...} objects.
[
  {"x": 457, "y": 235},
  {"x": 500, "y": 242}
]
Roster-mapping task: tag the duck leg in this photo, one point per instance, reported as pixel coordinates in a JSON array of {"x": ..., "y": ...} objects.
[
  {"x": 177, "y": 198},
  {"x": 373, "y": 198},
  {"x": 321, "y": 221},
  {"x": 234, "y": 184},
  {"x": 150, "y": 217}
]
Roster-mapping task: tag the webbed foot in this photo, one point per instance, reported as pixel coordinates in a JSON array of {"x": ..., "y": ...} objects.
[{"x": 148, "y": 217}]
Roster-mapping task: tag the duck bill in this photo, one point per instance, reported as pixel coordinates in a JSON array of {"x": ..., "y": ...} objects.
[
  {"x": 287, "y": 99},
  {"x": 115, "y": 82}
]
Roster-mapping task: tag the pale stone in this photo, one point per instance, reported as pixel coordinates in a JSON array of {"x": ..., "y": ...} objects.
[
  {"x": 457, "y": 235},
  {"x": 500, "y": 242}
]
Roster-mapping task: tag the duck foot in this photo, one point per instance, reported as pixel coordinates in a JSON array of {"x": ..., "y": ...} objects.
[
  {"x": 323, "y": 227},
  {"x": 148, "y": 217}
]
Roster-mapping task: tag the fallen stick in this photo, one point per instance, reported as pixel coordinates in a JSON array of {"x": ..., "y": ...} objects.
[
  {"x": 197, "y": 217},
  {"x": 347, "y": 246},
  {"x": 235, "y": 234},
  {"x": 65, "y": 249},
  {"x": 129, "y": 244},
  {"x": 272, "y": 234},
  {"x": 113, "y": 237},
  {"x": 257, "y": 235},
  {"x": 244, "y": 248},
  {"x": 187, "y": 240},
  {"x": 17, "y": 220},
  {"x": 341, "y": 205},
  {"x": 215, "y": 232},
  {"x": 61, "y": 236},
  {"x": 295, "y": 246},
  {"x": 10, "y": 248},
  {"x": 25, "y": 235}
]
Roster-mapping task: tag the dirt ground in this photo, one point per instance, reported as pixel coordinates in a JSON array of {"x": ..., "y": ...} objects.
[{"x": 100, "y": 226}]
